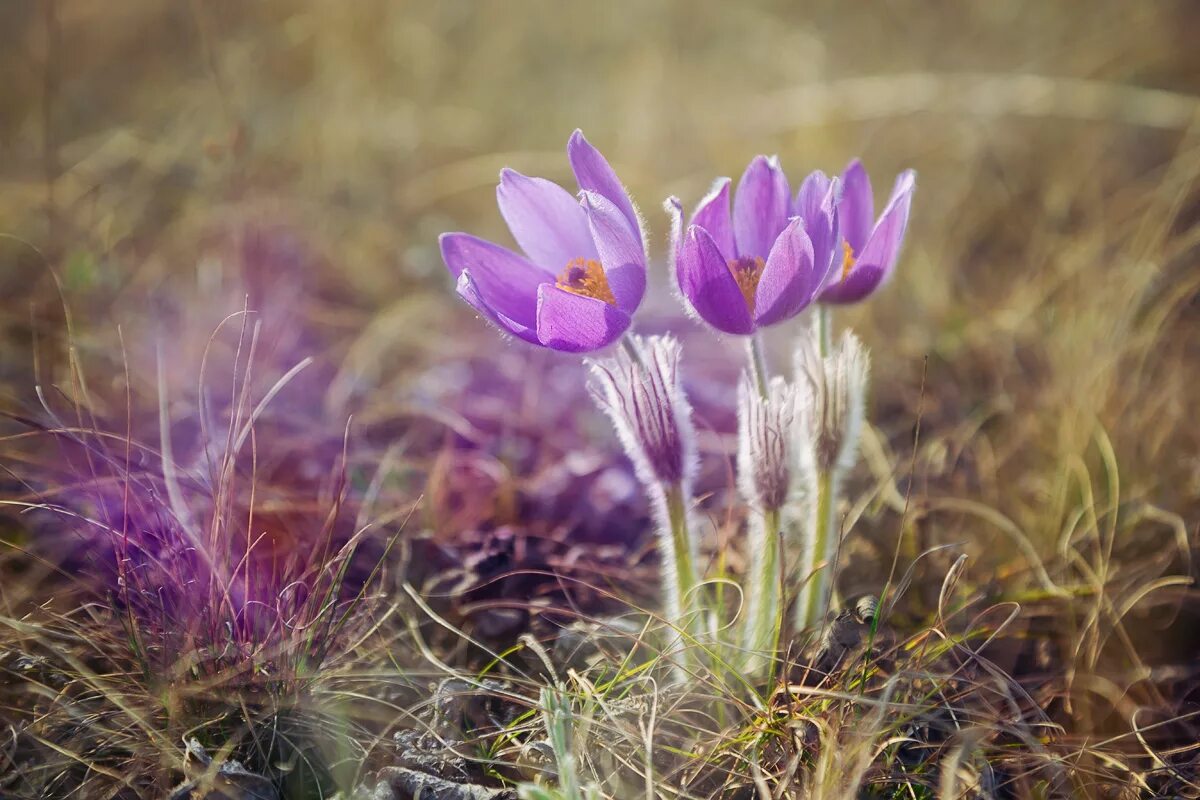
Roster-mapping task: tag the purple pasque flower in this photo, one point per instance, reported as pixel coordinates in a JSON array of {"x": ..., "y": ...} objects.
[
  {"x": 870, "y": 246},
  {"x": 767, "y": 261},
  {"x": 583, "y": 272}
]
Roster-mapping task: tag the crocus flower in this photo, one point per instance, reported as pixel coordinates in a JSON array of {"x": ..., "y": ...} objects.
[
  {"x": 766, "y": 262},
  {"x": 869, "y": 246},
  {"x": 583, "y": 272}
]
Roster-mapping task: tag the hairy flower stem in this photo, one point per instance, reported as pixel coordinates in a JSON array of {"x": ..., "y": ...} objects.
[
  {"x": 640, "y": 390},
  {"x": 758, "y": 362},
  {"x": 818, "y": 568},
  {"x": 682, "y": 587},
  {"x": 764, "y": 602},
  {"x": 824, "y": 315},
  {"x": 681, "y": 548},
  {"x": 817, "y": 574},
  {"x": 764, "y": 589}
]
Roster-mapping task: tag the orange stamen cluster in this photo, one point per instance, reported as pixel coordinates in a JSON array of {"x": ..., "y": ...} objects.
[
  {"x": 585, "y": 277},
  {"x": 747, "y": 272},
  {"x": 847, "y": 260}
]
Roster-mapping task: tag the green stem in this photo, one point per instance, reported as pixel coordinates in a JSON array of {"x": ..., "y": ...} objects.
[
  {"x": 758, "y": 362},
  {"x": 559, "y": 724},
  {"x": 815, "y": 601},
  {"x": 824, "y": 329},
  {"x": 765, "y": 604},
  {"x": 686, "y": 598}
]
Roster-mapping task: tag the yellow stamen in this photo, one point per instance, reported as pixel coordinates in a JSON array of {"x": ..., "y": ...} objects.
[
  {"x": 585, "y": 277},
  {"x": 847, "y": 260},
  {"x": 747, "y": 272}
]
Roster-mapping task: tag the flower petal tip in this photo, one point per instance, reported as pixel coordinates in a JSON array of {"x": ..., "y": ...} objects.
[{"x": 589, "y": 200}]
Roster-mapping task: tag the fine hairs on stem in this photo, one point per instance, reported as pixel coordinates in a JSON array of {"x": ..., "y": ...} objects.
[
  {"x": 832, "y": 388},
  {"x": 639, "y": 389},
  {"x": 765, "y": 436}
]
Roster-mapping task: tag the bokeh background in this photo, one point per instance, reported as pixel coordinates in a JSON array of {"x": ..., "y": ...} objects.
[
  {"x": 164, "y": 165},
  {"x": 168, "y": 160}
]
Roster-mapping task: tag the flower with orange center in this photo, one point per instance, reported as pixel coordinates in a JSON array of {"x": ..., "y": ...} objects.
[
  {"x": 585, "y": 277},
  {"x": 747, "y": 272},
  {"x": 763, "y": 263},
  {"x": 847, "y": 260},
  {"x": 870, "y": 244},
  {"x": 597, "y": 234}
]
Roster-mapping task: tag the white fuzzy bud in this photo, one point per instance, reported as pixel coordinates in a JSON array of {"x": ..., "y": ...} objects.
[
  {"x": 833, "y": 392},
  {"x": 639, "y": 389},
  {"x": 765, "y": 441}
]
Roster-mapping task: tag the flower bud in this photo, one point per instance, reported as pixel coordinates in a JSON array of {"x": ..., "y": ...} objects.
[
  {"x": 639, "y": 389},
  {"x": 832, "y": 394},
  {"x": 765, "y": 441}
]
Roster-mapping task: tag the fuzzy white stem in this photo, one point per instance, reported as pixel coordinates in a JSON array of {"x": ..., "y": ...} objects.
[
  {"x": 677, "y": 548},
  {"x": 817, "y": 569},
  {"x": 836, "y": 393},
  {"x": 639, "y": 390},
  {"x": 758, "y": 363},
  {"x": 764, "y": 592},
  {"x": 824, "y": 322}
]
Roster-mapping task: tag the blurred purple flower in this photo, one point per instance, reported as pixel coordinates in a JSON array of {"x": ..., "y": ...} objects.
[
  {"x": 765, "y": 263},
  {"x": 869, "y": 246},
  {"x": 583, "y": 273}
]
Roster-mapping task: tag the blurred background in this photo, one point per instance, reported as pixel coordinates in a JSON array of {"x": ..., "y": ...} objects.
[
  {"x": 164, "y": 165},
  {"x": 170, "y": 160}
]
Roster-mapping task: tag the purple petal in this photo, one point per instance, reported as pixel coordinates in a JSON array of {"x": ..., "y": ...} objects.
[
  {"x": 595, "y": 174},
  {"x": 545, "y": 219},
  {"x": 861, "y": 281},
  {"x": 760, "y": 207},
  {"x": 505, "y": 281},
  {"x": 706, "y": 282},
  {"x": 856, "y": 212},
  {"x": 577, "y": 324},
  {"x": 789, "y": 279},
  {"x": 823, "y": 227},
  {"x": 468, "y": 290},
  {"x": 713, "y": 215},
  {"x": 883, "y": 247},
  {"x": 878, "y": 257},
  {"x": 812, "y": 193},
  {"x": 620, "y": 250}
]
